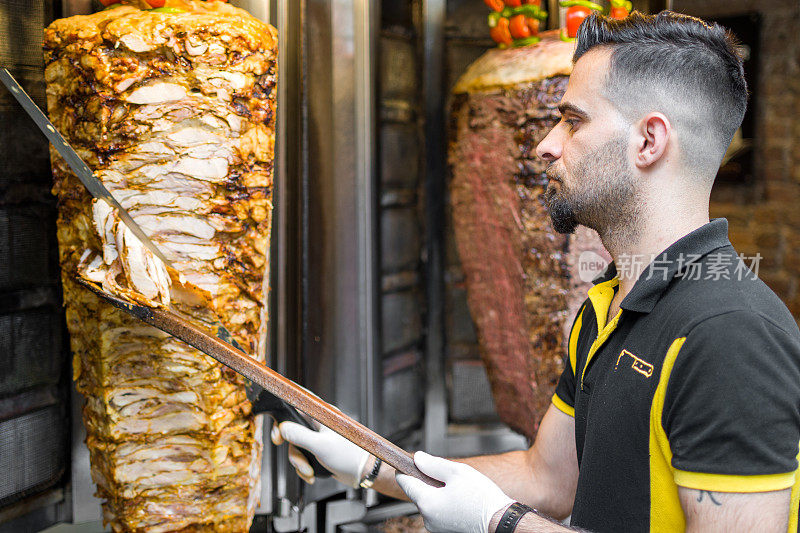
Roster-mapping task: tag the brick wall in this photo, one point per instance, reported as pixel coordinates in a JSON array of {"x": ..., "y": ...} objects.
[{"x": 764, "y": 215}]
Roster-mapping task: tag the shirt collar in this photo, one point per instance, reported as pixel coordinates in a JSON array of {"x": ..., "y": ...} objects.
[{"x": 659, "y": 273}]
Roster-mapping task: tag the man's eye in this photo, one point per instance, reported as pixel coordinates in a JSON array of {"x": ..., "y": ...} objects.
[{"x": 571, "y": 122}]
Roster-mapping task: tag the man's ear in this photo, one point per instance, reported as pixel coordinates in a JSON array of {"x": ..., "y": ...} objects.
[{"x": 653, "y": 135}]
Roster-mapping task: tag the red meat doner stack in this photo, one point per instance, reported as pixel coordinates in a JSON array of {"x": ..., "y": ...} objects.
[{"x": 524, "y": 283}]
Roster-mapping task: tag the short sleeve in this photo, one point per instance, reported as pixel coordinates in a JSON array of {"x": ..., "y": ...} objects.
[
  {"x": 732, "y": 406},
  {"x": 564, "y": 397}
]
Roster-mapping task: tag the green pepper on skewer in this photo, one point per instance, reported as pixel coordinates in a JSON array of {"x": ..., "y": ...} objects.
[
  {"x": 533, "y": 39},
  {"x": 167, "y": 10}
]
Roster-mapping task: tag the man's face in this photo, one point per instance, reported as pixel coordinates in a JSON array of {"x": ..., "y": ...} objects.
[{"x": 591, "y": 178}]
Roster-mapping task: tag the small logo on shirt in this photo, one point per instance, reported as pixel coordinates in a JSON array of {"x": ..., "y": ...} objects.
[{"x": 637, "y": 363}]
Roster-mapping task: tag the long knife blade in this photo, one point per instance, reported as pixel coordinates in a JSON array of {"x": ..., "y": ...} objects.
[{"x": 78, "y": 166}]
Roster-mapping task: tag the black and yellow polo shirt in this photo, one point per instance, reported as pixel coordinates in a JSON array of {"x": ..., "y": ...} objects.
[{"x": 694, "y": 383}]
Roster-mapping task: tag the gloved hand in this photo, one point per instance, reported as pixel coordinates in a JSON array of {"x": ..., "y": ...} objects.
[
  {"x": 466, "y": 503},
  {"x": 344, "y": 459}
]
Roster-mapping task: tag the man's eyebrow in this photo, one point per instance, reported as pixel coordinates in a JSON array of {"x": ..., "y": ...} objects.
[{"x": 572, "y": 108}]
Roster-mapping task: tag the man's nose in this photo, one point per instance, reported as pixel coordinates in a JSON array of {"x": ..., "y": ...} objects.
[{"x": 549, "y": 148}]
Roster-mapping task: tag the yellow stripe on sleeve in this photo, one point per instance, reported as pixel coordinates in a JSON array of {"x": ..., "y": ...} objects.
[
  {"x": 666, "y": 513},
  {"x": 563, "y": 406},
  {"x": 733, "y": 483},
  {"x": 795, "y": 505},
  {"x": 573, "y": 342}
]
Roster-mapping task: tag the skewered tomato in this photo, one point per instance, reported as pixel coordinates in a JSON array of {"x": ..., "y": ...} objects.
[
  {"x": 618, "y": 13},
  {"x": 576, "y": 15},
  {"x": 577, "y": 11},
  {"x": 513, "y": 3},
  {"x": 518, "y": 27},
  {"x": 620, "y": 9},
  {"x": 496, "y": 5},
  {"x": 156, "y": 3},
  {"x": 109, "y": 2},
  {"x": 500, "y": 32}
]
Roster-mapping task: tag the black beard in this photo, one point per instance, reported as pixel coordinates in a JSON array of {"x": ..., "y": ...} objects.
[
  {"x": 562, "y": 216},
  {"x": 604, "y": 196}
]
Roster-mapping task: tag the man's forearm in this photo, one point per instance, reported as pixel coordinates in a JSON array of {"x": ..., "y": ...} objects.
[
  {"x": 508, "y": 470},
  {"x": 511, "y": 471},
  {"x": 533, "y": 523},
  {"x": 385, "y": 483},
  {"x": 518, "y": 475}
]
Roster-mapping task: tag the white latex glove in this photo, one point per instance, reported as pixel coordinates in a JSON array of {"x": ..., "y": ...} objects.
[
  {"x": 467, "y": 502},
  {"x": 344, "y": 459}
]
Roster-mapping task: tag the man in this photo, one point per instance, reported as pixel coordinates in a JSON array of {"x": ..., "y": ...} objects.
[{"x": 679, "y": 405}]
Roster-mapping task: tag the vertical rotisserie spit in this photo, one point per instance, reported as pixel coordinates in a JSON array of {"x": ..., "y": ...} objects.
[
  {"x": 522, "y": 280},
  {"x": 174, "y": 110}
]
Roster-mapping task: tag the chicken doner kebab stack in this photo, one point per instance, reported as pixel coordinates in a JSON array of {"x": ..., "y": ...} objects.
[{"x": 174, "y": 110}]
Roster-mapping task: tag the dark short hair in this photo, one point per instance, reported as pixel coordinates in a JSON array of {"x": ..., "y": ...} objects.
[{"x": 698, "y": 63}]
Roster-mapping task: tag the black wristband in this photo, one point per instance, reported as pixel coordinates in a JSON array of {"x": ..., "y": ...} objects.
[{"x": 512, "y": 516}]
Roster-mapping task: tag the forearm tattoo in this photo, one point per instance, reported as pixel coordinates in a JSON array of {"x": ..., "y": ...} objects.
[{"x": 702, "y": 495}]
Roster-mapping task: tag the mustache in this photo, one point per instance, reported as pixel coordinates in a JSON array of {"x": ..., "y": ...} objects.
[{"x": 552, "y": 173}]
